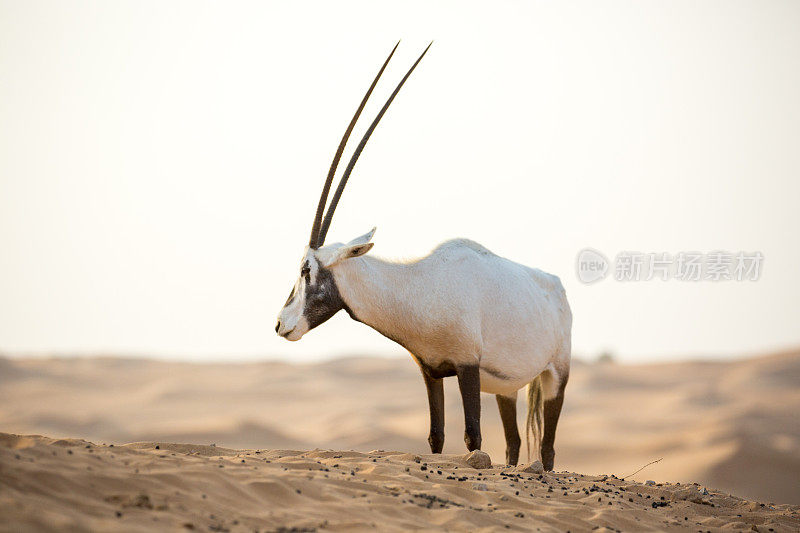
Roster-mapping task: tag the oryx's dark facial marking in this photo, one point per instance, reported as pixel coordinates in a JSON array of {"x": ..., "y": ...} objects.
[{"x": 322, "y": 298}]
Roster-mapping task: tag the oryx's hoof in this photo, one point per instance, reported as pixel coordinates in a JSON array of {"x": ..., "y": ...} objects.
[
  {"x": 473, "y": 441},
  {"x": 436, "y": 440},
  {"x": 548, "y": 458}
]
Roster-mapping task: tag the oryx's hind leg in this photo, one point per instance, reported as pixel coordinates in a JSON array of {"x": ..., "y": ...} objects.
[
  {"x": 508, "y": 414},
  {"x": 553, "y": 384}
]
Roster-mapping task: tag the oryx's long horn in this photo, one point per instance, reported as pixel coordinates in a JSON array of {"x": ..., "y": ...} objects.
[
  {"x": 335, "y": 200},
  {"x": 315, "y": 241}
]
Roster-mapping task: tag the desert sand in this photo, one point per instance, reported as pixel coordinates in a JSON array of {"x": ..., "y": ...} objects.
[
  {"x": 73, "y": 485},
  {"x": 732, "y": 427}
]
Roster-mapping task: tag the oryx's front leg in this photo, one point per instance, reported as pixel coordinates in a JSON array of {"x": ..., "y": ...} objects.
[
  {"x": 435, "y": 388},
  {"x": 469, "y": 381}
]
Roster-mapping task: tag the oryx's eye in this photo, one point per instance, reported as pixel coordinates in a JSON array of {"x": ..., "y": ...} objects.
[{"x": 305, "y": 271}]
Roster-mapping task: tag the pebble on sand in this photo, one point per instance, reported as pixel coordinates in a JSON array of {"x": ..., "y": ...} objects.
[
  {"x": 478, "y": 459},
  {"x": 535, "y": 467}
]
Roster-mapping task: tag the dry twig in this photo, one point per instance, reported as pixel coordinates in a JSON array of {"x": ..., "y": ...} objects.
[{"x": 642, "y": 468}]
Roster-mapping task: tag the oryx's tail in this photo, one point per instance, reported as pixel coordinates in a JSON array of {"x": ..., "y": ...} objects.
[{"x": 534, "y": 419}]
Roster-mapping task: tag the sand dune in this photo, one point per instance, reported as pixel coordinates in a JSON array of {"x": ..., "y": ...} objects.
[
  {"x": 728, "y": 425},
  {"x": 73, "y": 485}
]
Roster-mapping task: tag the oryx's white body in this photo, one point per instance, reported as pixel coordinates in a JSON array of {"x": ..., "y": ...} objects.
[{"x": 464, "y": 305}]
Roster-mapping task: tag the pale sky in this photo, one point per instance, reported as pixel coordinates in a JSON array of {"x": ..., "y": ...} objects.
[{"x": 160, "y": 163}]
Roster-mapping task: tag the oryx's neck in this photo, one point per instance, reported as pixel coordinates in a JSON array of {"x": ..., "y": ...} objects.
[{"x": 380, "y": 294}]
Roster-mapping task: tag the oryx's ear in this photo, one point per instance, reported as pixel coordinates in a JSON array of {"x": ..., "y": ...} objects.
[
  {"x": 348, "y": 251},
  {"x": 355, "y": 250},
  {"x": 364, "y": 239}
]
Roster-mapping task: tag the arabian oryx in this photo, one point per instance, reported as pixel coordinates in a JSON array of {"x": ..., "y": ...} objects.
[{"x": 461, "y": 311}]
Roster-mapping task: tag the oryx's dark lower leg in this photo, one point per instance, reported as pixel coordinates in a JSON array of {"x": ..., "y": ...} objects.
[
  {"x": 435, "y": 388},
  {"x": 508, "y": 414},
  {"x": 469, "y": 382},
  {"x": 553, "y": 386}
]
